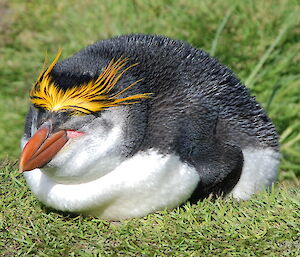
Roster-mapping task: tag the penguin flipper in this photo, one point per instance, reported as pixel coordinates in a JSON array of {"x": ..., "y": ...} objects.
[{"x": 219, "y": 166}]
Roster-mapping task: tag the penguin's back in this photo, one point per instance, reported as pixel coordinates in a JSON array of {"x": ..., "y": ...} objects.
[{"x": 187, "y": 86}]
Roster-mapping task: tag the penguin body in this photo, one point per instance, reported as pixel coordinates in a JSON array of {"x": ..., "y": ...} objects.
[{"x": 194, "y": 130}]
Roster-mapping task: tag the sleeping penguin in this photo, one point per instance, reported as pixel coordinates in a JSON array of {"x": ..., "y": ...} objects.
[{"x": 140, "y": 123}]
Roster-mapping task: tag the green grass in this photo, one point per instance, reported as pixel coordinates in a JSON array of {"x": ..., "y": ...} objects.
[
  {"x": 266, "y": 225},
  {"x": 259, "y": 40}
]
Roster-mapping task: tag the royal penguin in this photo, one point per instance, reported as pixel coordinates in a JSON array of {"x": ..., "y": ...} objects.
[{"x": 139, "y": 123}]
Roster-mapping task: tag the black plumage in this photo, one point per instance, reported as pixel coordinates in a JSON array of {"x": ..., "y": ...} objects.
[{"x": 198, "y": 109}]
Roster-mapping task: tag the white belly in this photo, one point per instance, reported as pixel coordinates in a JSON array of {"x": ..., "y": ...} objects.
[
  {"x": 140, "y": 185},
  {"x": 145, "y": 183}
]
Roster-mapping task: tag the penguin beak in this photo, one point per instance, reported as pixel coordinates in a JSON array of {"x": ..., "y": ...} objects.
[{"x": 41, "y": 148}]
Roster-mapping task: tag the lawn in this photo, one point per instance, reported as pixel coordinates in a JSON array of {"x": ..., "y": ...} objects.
[{"x": 258, "y": 40}]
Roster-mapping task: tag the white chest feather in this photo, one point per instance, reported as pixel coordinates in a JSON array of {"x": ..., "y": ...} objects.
[{"x": 142, "y": 184}]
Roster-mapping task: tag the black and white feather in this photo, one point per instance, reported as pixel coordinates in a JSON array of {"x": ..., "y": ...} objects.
[{"x": 199, "y": 133}]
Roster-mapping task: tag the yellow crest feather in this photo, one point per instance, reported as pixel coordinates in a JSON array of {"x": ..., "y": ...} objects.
[{"x": 85, "y": 98}]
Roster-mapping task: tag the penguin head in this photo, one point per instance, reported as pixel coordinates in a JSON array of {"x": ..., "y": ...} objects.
[{"x": 75, "y": 127}]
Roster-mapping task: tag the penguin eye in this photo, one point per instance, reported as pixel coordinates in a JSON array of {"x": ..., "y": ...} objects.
[
  {"x": 41, "y": 116},
  {"x": 96, "y": 114}
]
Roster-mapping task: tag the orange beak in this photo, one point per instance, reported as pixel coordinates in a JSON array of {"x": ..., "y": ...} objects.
[{"x": 40, "y": 149}]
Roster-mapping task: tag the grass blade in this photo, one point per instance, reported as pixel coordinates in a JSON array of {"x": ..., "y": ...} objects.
[
  {"x": 250, "y": 80},
  {"x": 219, "y": 31}
]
